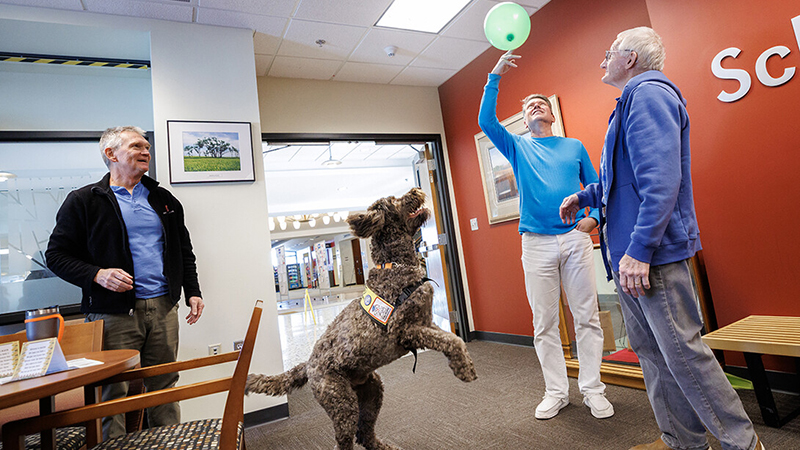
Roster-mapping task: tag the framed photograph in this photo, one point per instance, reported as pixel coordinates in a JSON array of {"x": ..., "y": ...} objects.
[
  {"x": 499, "y": 184},
  {"x": 205, "y": 152}
]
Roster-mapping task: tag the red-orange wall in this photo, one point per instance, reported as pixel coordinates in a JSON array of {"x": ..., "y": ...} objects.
[{"x": 744, "y": 154}]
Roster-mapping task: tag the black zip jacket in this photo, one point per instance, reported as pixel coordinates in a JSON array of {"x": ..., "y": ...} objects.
[{"x": 90, "y": 235}]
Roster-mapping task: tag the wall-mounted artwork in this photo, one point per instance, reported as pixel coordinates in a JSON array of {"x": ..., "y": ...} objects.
[{"x": 203, "y": 152}]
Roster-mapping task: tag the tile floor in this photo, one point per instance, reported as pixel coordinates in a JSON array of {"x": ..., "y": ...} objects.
[{"x": 299, "y": 332}]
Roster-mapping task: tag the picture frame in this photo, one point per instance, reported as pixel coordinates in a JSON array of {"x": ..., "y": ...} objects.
[
  {"x": 209, "y": 152},
  {"x": 499, "y": 184}
]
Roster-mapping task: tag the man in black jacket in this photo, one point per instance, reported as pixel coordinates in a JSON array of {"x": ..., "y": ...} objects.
[{"x": 123, "y": 241}]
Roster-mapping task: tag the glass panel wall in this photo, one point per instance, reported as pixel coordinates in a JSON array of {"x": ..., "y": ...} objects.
[{"x": 41, "y": 176}]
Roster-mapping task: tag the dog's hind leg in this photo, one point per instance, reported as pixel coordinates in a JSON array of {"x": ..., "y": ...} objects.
[
  {"x": 370, "y": 400},
  {"x": 337, "y": 397}
]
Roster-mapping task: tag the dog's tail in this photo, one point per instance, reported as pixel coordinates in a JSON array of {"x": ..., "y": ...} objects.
[{"x": 282, "y": 384}]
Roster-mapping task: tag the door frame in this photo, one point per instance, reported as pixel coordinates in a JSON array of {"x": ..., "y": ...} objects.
[{"x": 442, "y": 190}]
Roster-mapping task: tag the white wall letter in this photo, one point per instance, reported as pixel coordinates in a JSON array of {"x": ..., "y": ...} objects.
[
  {"x": 761, "y": 67},
  {"x": 730, "y": 74}
]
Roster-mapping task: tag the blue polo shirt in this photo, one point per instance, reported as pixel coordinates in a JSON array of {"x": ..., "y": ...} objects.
[{"x": 145, "y": 239}]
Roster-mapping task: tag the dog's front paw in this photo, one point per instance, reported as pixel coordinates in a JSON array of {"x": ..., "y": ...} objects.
[{"x": 465, "y": 371}]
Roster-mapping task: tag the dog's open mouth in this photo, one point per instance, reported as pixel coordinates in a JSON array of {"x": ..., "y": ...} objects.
[{"x": 416, "y": 213}]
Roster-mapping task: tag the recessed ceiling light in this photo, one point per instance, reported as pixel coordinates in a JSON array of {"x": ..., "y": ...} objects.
[{"x": 421, "y": 15}]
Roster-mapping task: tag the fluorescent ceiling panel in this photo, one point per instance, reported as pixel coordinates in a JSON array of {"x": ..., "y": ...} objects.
[{"x": 421, "y": 15}]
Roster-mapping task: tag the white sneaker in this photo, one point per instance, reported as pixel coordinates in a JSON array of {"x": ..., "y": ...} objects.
[
  {"x": 599, "y": 404},
  {"x": 550, "y": 406}
]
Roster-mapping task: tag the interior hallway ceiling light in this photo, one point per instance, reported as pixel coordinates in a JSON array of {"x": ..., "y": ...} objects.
[
  {"x": 330, "y": 162},
  {"x": 310, "y": 219},
  {"x": 421, "y": 15},
  {"x": 5, "y": 176}
]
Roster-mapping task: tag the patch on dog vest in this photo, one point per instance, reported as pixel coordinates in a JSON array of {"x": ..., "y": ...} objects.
[{"x": 377, "y": 308}]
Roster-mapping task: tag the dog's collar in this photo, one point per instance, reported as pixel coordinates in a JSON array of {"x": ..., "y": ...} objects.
[
  {"x": 390, "y": 265},
  {"x": 380, "y": 309}
]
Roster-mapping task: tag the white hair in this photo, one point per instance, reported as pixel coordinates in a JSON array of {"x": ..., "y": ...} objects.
[
  {"x": 112, "y": 138},
  {"x": 647, "y": 45}
]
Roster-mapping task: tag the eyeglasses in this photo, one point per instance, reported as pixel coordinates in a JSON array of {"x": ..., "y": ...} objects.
[{"x": 609, "y": 52}]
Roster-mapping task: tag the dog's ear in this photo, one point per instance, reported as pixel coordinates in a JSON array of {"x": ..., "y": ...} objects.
[{"x": 365, "y": 224}]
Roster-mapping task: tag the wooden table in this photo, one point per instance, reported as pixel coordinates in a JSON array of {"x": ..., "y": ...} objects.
[
  {"x": 45, "y": 388},
  {"x": 761, "y": 335}
]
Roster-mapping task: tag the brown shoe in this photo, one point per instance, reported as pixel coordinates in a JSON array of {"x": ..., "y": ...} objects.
[{"x": 657, "y": 445}]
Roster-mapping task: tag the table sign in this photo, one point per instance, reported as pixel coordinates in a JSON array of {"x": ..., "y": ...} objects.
[
  {"x": 39, "y": 358},
  {"x": 9, "y": 356}
]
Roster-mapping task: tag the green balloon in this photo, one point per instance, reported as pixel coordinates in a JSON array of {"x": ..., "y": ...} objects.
[{"x": 507, "y": 26}]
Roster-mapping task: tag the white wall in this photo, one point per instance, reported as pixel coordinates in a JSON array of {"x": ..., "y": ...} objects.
[
  {"x": 208, "y": 73},
  {"x": 311, "y": 106}
]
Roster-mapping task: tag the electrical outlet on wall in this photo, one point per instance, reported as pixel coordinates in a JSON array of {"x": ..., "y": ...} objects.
[
  {"x": 214, "y": 349},
  {"x": 473, "y": 223},
  {"x": 237, "y": 345}
]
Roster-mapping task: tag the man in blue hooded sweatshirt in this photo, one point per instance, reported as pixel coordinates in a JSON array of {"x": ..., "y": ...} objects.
[{"x": 649, "y": 231}]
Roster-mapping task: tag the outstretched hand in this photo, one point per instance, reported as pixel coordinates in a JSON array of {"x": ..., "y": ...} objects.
[
  {"x": 569, "y": 209},
  {"x": 505, "y": 63}
]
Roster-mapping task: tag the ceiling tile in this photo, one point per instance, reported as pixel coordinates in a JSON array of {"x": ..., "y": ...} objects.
[
  {"x": 361, "y": 152},
  {"x": 175, "y": 12},
  {"x": 262, "y": 64},
  {"x": 470, "y": 24},
  {"x": 278, "y": 8},
  {"x": 406, "y": 152},
  {"x": 449, "y": 53},
  {"x": 408, "y": 43},
  {"x": 350, "y": 12},
  {"x": 291, "y": 67},
  {"x": 57, "y": 4},
  {"x": 300, "y": 38},
  {"x": 309, "y": 156},
  {"x": 419, "y": 76},
  {"x": 265, "y": 44},
  {"x": 272, "y": 26},
  {"x": 367, "y": 73}
]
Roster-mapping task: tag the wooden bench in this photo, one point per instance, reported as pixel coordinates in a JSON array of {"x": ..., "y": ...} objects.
[{"x": 761, "y": 335}]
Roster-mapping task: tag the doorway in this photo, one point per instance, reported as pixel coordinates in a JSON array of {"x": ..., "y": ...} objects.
[{"x": 314, "y": 181}]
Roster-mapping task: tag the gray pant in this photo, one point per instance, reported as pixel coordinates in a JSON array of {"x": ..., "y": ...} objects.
[
  {"x": 687, "y": 388},
  {"x": 153, "y": 330}
]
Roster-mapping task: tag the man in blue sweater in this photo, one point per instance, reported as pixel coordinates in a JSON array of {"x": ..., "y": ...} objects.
[
  {"x": 547, "y": 168},
  {"x": 649, "y": 231}
]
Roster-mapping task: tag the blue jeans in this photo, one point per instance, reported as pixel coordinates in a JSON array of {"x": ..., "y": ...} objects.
[{"x": 687, "y": 388}]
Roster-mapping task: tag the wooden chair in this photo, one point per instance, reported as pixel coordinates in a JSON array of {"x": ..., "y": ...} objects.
[
  {"x": 224, "y": 434},
  {"x": 78, "y": 337}
]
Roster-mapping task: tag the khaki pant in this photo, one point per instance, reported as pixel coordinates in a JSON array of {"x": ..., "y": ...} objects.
[{"x": 153, "y": 331}]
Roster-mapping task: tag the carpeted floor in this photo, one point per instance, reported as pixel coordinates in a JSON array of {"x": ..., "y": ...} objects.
[{"x": 433, "y": 410}]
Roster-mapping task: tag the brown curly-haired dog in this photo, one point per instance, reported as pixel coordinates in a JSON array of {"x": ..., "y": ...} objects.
[{"x": 341, "y": 369}]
